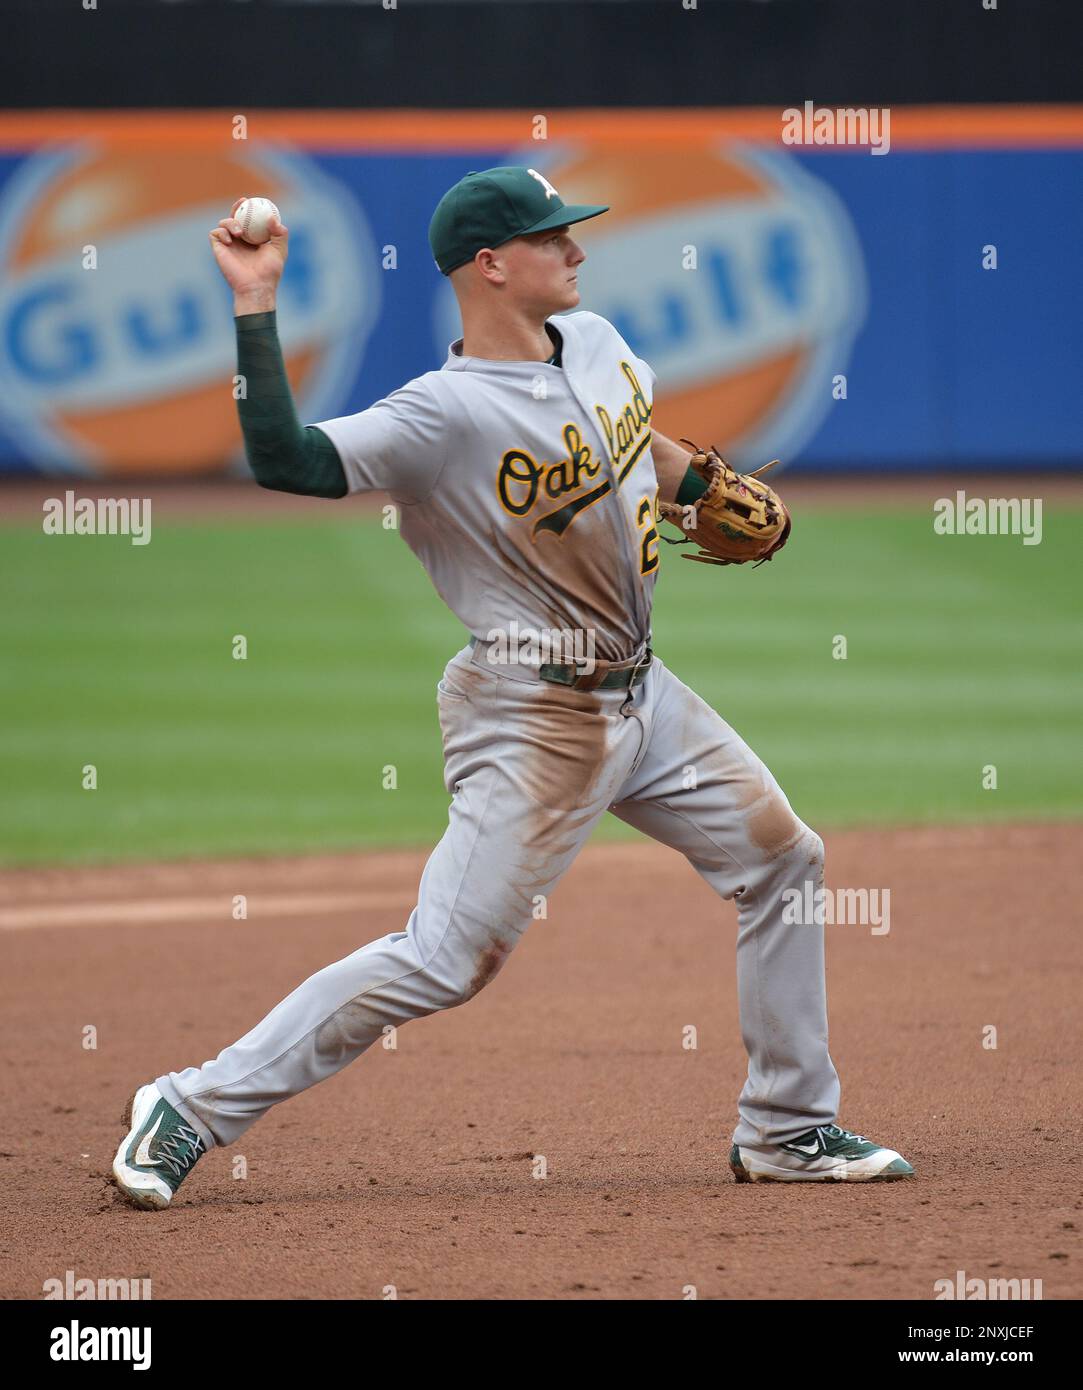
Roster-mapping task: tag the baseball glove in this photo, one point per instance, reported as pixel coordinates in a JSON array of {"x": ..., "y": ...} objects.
[{"x": 737, "y": 519}]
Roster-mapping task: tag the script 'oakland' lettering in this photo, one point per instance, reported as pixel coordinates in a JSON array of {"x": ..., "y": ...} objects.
[
  {"x": 624, "y": 436},
  {"x": 522, "y": 482}
]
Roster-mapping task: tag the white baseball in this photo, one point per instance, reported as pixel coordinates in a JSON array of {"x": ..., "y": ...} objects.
[{"x": 254, "y": 215}]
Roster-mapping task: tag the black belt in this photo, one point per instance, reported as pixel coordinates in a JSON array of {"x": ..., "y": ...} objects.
[{"x": 621, "y": 675}]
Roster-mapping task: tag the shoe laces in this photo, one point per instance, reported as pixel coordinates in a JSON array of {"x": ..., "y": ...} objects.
[
  {"x": 180, "y": 1149},
  {"x": 837, "y": 1132}
]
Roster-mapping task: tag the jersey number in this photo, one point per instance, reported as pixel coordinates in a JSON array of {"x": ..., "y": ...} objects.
[{"x": 649, "y": 549}]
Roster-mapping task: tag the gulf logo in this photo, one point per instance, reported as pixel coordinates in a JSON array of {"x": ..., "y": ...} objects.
[
  {"x": 128, "y": 367},
  {"x": 745, "y": 344}
]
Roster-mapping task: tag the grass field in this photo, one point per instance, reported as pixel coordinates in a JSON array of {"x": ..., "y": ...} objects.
[{"x": 961, "y": 652}]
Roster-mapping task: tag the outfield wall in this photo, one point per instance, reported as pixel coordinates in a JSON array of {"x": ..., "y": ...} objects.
[{"x": 841, "y": 307}]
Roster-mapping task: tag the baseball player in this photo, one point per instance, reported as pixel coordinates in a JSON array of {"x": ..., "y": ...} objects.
[{"x": 530, "y": 484}]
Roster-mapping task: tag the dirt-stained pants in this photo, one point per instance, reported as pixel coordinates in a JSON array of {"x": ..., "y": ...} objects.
[{"x": 531, "y": 767}]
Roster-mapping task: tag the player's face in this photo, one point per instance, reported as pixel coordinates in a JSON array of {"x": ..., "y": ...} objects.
[{"x": 542, "y": 270}]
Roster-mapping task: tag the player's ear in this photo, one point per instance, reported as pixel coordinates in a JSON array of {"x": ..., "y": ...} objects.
[{"x": 490, "y": 265}]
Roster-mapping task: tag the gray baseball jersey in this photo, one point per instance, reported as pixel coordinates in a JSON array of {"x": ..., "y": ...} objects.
[{"x": 527, "y": 490}]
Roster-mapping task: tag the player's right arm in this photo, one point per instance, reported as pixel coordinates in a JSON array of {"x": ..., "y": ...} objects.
[
  {"x": 283, "y": 454},
  {"x": 398, "y": 445}
]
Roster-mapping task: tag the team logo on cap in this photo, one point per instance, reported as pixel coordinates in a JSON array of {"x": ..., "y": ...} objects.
[
  {"x": 550, "y": 191},
  {"x": 117, "y": 350}
]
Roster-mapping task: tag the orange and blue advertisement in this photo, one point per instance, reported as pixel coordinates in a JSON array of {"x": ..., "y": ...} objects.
[{"x": 838, "y": 306}]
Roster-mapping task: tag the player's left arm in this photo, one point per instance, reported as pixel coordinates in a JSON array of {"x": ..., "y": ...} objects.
[{"x": 677, "y": 482}]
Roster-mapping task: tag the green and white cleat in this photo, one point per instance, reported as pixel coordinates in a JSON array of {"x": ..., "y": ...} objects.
[
  {"x": 157, "y": 1153},
  {"x": 825, "y": 1154}
]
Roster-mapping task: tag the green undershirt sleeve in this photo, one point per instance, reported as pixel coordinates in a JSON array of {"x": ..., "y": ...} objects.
[
  {"x": 284, "y": 455},
  {"x": 691, "y": 489}
]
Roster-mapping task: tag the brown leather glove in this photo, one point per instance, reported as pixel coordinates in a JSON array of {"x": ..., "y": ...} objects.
[{"x": 737, "y": 519}]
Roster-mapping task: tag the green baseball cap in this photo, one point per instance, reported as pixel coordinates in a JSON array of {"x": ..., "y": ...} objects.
[{"x": 490, "y": 207}]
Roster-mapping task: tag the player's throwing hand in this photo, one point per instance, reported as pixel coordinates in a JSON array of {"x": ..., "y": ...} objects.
[{"x": 252, "y": 272}]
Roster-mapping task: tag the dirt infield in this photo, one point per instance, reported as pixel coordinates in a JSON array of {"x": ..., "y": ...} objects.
[{"x": 415, "y": 1168}]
